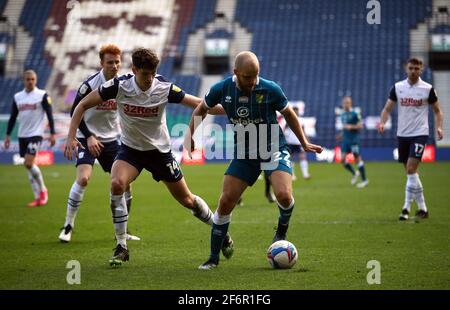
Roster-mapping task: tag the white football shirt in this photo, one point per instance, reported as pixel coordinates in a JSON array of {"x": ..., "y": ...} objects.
[
  {"x": 413, "y": 105},
  {"x": 102, "y": 120},
  {"x": 142, "y": 114},
  {"x": 31, "y": 112}
]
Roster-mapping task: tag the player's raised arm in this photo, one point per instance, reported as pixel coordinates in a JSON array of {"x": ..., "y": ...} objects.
[
  {"x": 385, "y": 114},
  {"x": 90, "y": 101},
  {"x": 193, "y": 101},
  {"x": 293, "y": 123}
]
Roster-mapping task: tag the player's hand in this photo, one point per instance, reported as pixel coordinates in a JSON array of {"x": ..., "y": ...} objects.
[
  {"x": 72, "y": 145},
  {"x": 94, "y": 146},
  {"x": 440, "y": 133},
  {"x": 309, "y": 147},
  {"x": 7, "y": 142},
  {"x": 52, "y": 140},
  {"x": 381, "y": 128}
]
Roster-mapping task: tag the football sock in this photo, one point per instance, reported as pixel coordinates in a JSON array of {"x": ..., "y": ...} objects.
[
  {"x": 285, "y": 212},
  {"x": 34, "y": 185},
  {"x": 349, "y": 168},
  {"x": 362, "y": 170},
  {"x": 218, "y": 232},
  {"x": 202, "y": 211},
  {"x": 418, "y": 193},
  {"x": 304, "y": 167},
  {"x": 120, "y": 218},
  {"x": 73, "y": 203},
  {"x": 37, "y": 175},
  {"x": 128, "y": 199},
  {"x": 409, "y": 191}
]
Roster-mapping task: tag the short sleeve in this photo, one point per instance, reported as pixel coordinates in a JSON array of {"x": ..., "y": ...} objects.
[
  {"x": 109, "y": 89},
  {"x": 393, "y": 94},
  {"x": 176, "y": 94},
  {"x": 280, "y": 101},
  {"x": 432, "y": 97},
  {"x": 214, "y": 96}
]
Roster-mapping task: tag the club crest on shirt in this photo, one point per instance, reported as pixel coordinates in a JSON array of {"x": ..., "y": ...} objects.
[{"x": 259, "y": 98}]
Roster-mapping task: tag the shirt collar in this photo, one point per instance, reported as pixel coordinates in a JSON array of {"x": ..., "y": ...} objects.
[
  {"x": 234, "y": 79},
  {"x": 419, "y": 80},
  {"x": 138, "y": 90},
  {"x": 102, "y": 76}
]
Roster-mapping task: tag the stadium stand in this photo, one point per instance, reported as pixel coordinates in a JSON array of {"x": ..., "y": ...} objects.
[{"x": 320, "y": 56}]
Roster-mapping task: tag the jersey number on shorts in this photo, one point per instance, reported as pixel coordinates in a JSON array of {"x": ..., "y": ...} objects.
[
  {"x": 174, "y": 168},
  {"x": 418, "y": 148},
  {"x": 283, "y": 156}
]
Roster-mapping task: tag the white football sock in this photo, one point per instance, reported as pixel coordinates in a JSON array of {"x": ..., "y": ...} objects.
[
  {"x": 202, "y": 211},
  {"x": 409, "y": 191},
  {"x": 221, "y": 219},
  {"x": 34, "y": 185},
  {"x": 120, "y": 218},
  {"x": 304, "y": 167},
  {"x": 419, "y": 196},
  {"x": 73, "y": 203},
  {"x": 37, "y": 175}
]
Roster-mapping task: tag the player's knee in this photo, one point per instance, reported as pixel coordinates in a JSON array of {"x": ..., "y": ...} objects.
[
  {"x": 227, "y": 200},
  {"x": 410, "y": 169},
  {"x": 284, "y": 197},
  {"x": 118, "y": 186},
  {"x": 28, "y": 165},
  {"x": 83, "y": 180}
]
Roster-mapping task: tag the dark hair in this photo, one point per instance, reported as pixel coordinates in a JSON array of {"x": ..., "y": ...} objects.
[
  {"x": 415, "y": 61},
  {"x": 144, "y": 58}
]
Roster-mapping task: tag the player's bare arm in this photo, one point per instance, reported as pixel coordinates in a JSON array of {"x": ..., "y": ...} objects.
[
  {"x": 439, "y": 119},
  {"x": 90, "y": 101},
  {"x": 193, "y": 101},
  {"x": 293, "y": 123},
  {"x": 385, "y": 114},
  {"x": 199, "y": 113}
]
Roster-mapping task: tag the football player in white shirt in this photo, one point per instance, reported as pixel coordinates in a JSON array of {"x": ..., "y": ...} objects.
[
  {"x": 141, "y": 100},
  {"x": 414, "y": 96},
  {"x": 30, "y": 106},
  {"x": 98, "y": 133}
]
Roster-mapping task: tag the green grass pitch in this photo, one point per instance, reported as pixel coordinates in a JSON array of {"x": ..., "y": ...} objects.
[{"x": 337, "y": 229}]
